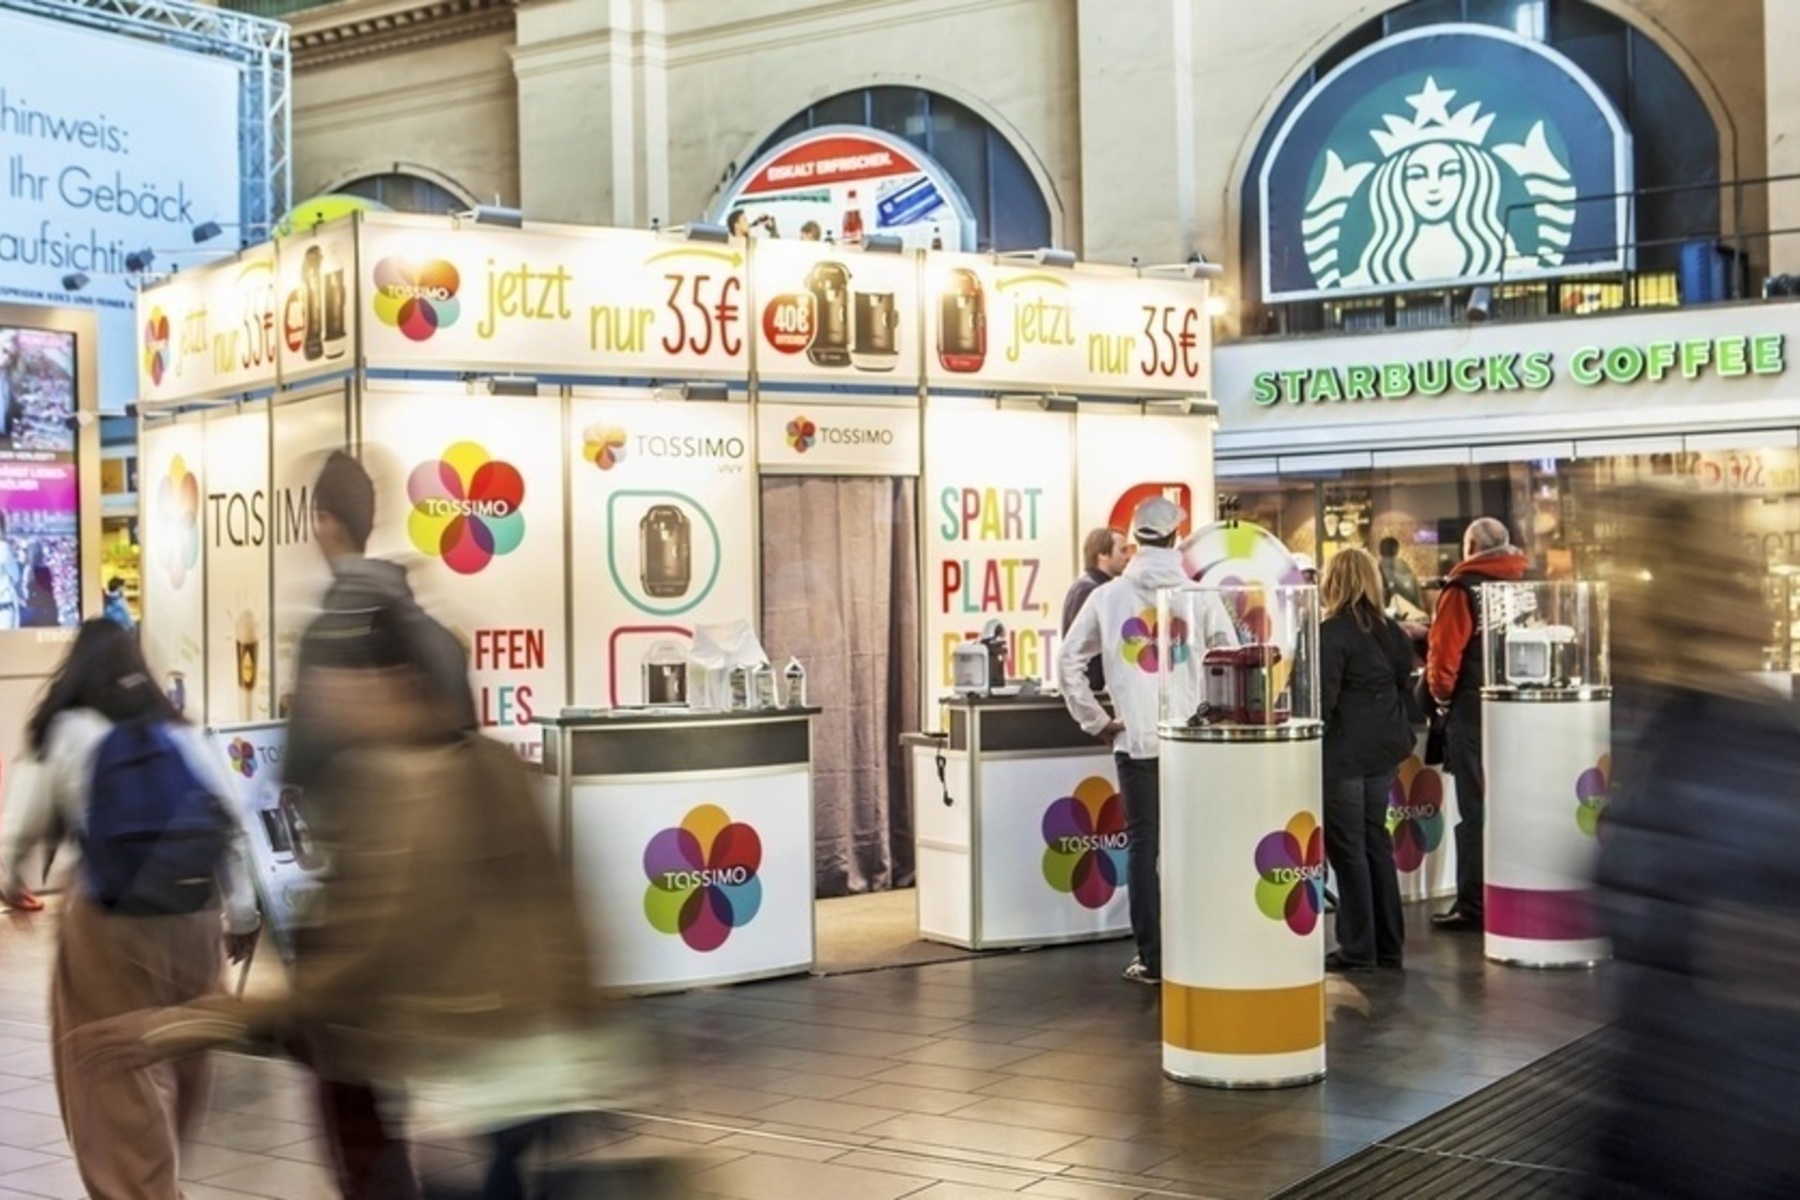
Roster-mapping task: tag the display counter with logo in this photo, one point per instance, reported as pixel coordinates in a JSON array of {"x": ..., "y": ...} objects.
[
  {"x": 1019, "y": 828},
  {"x": 690, "y": 835}
]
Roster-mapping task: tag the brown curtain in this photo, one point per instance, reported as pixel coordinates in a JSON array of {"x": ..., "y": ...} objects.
[{"x": 841, "y": 594}]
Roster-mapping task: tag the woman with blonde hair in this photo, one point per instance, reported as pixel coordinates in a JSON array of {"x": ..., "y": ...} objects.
[
  {"x": 1365, "y": 663},
  {"x": 1698, "y": 881}
]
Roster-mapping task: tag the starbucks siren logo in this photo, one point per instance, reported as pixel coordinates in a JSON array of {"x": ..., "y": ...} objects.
[{"x": 1433, "y": 204}]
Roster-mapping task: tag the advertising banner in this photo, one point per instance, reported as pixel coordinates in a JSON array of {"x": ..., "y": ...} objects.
[
  {"x": 999, "y": 535},
  {"x": 112, "y": 145},
  {"x": 285, "y": 860},
  {"x": 1123, "y": 459},
  {"x": 838, "y": 183},
  {"x": 171, "y": 510},
  {"x": 306, "y": 430},
  {"x": 694, "y": 887},
  {"x": 40, "y": 538},
  {"x": 831, "y": 315},
  {"x": 441, "y": 294},
  {"x": 664, "y": 500},
  {"x": 213, "y": 330},
  {"x": 469, "y": 495},
  {"x": 837, "y": 439},
  {"x": 1086, "y": 331},
  {"x": 240, "y": 526},
  {"x": 316, "y": 297}
]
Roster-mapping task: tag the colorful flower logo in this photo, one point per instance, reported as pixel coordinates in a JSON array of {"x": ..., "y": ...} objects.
[
  {"x": 603, "y": 445},
  {"x": 1085, "y": 843},
  {"x": 178, "y": 521},
  {"x": 703, "y": 881},
  {"x": 1592, "y": 792},
  {"x": 243, "y": 757},
  {"x": 802, "y": 434},
  {"x": 1291, "y": 865},
  {"x": 418, "y": 299},
  {"x": 1138, "y": 641},
  {"x": 1415, "y": 816},
  {"x": 466, "y": 508},
  {"x": 156, "y": 345}
]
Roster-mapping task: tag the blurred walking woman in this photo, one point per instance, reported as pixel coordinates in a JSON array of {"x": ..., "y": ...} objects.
[
  {"x": 1365, "y": 663},
  {"x": 124, "y": 1126}
]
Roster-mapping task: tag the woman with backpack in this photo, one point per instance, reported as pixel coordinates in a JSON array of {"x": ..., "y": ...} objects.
[
  {"x": 141, "y": 921},
  {"x": 1365, "y": 666}
]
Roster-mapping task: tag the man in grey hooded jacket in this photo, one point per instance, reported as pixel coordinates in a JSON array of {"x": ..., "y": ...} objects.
[{"x": 1117, "y": 626}]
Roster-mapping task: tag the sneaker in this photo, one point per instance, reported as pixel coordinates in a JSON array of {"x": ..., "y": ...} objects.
[{"x": 1138, "y": 972}]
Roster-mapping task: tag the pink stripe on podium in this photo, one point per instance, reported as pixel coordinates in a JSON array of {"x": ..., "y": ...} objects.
[{"x": 1544, "y": 916}]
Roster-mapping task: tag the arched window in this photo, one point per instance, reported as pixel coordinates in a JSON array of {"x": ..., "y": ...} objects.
[
  {"x": 1010, "y": 210},
  {"x": 1674, "y": 159},
  {"x": 405, "y": 192}
]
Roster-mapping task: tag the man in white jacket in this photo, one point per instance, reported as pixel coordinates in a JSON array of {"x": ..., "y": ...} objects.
[{"x": 1117, "y": 625}]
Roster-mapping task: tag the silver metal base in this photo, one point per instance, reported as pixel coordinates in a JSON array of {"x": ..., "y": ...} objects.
[
  {"x": 1239, "y": 1085},
  {"x": 1520, "y": 964}
]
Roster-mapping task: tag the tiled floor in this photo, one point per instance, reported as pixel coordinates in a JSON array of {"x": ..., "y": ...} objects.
[{"x": 1032, "y": 1074}]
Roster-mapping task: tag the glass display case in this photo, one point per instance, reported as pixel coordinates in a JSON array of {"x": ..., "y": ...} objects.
[
  {"x": 1233, "y": 659},
  {"x": 1545, "y": 639}
]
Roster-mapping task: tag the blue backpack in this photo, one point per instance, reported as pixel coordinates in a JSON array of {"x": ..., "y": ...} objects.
[{"x": 156, "y": 835}]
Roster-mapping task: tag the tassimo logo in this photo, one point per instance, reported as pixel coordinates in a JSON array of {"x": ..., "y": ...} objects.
[
  {"x": 803, "y": 434},
  {"x": 688, "y": 445}
]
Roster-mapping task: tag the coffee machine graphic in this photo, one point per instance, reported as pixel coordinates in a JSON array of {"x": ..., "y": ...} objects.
[
  {"x": 829, "y": 283},
  {"x": 665, "y": 551},
  {"x": 962, "y": 323}
]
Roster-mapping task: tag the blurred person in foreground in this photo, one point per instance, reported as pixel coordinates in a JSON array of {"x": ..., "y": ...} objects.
[
  {"x": 1698, "y": 876},
  {"x": 115, "y": 957},
  {"x": 449, "y": 971},
  {"x": 342, "y": 703},
  {"x": 1455, "y": 664},
  {"x": 1365, "y": 666}
]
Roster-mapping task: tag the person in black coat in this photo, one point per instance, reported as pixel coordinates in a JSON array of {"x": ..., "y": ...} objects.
[{"x": 1365, "y": 666}]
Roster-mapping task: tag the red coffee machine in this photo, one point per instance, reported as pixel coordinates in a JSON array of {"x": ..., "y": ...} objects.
[{"x": 1241, "y": 686}]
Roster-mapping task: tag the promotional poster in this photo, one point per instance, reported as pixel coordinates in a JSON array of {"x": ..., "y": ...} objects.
[
  {"x": 835, "y": 315},
  {"x": 469, "y": 498},
  {"x": 242, "y": 521},
  {"x": 999, "y": 537},
  {"x": 285, "y": 858},
  {"x": 171, "y": 457},
  {"x": 40, "y": 562},
  {"x": 664, "y": 500}
]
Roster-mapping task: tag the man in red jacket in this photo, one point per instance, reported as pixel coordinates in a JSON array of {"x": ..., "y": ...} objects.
[{"x": 1454, "y": 668}]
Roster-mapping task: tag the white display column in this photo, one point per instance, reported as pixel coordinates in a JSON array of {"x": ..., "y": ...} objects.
[
  {"x": 1547, "y": 756},
  {"x": 1243, "y": 881},
  {"x": 1243, "y": 847},
  {"x": 1546, "y": 713}
]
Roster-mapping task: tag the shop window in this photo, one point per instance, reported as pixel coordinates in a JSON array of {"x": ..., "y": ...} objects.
[
  {"x": 404, "y": 192},
  {"x": 1675, "y": 147},
  {"x": 1010, "y": 210}
]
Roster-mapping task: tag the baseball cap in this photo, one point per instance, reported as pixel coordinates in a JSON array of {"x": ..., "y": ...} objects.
[{"x": 1157, "y": 517}]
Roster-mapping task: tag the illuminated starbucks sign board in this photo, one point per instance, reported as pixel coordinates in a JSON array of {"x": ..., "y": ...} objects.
[
  {"x": 1624, "y": 364},
  {"x": 1442, "y": 156}
]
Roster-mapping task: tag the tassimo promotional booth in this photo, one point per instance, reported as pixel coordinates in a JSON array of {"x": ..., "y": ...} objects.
[{"x": 570, "y": 429}]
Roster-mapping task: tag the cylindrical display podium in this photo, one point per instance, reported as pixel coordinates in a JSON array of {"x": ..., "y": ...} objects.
[
  {"x": 1242, "y": 850},
  {"x": 1546, "y": 747}
]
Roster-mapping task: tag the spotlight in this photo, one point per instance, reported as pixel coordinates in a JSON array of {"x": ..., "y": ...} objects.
[
  {"x": 206, "y": 231},
  {"x": 1481, "y": 304},
  {"x": 1049, "y": 256},
  {"x": 138, "y": 261},
  {"x": 704, "y": 231},
  {"x": 74, "y": 281},
  {"x": 499, "y": 216},
  {"x": 883, "y": 243},
  {"x": 512, "y": 385}
]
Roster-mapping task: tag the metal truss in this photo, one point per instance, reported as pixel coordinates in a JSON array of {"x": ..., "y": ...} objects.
[{"x": 265, "y": 88}]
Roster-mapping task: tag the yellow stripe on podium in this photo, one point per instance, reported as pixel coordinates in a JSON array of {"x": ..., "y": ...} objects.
[{"x": 1243, "y": 1020}]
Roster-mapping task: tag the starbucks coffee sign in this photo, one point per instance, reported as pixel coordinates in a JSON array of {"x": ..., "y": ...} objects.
[
  {"x": 1624, "y": 364},
  {"x": 1444, "y": 156}
]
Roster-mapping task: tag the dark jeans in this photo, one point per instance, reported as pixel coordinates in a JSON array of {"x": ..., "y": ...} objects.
[
  {"x": 1370, "y": 928},
  {"x": 1140, "y": 785},
  {"x": 1462, "y": 758}
]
